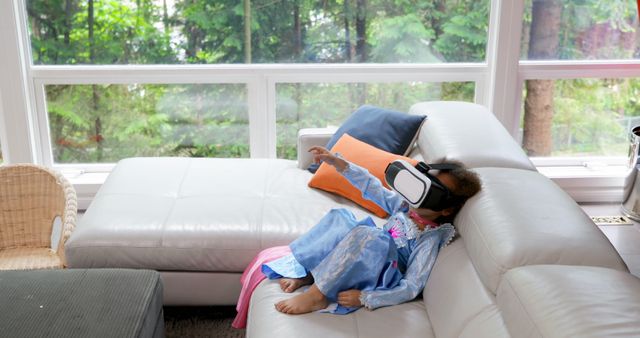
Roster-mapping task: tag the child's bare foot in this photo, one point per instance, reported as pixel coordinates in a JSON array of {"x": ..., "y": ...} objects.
[
  {"x": 289, "y": 285},
  {"x": 311, "y": 300}
]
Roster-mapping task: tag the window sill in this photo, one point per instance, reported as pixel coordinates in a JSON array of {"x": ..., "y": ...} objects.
[{"x": 587, "y": 184}]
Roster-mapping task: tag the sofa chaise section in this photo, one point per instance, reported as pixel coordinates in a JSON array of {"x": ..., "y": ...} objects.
[{"x": 197, "y": 221}]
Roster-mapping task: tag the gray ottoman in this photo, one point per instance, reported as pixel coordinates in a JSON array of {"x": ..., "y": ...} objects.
[{"x": 81, "y": 303}]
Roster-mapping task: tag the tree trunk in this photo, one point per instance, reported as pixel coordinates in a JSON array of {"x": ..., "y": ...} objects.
[
  {"x": 361, "y": 45},
  {"x": 90, "y": 30},
  {"x": 297, "y": 32},
  {"x": 165, "y": 16},
  {"x": 247, "y": 31},
  {"x": 538, "y": 108},
  {"x": 347, "y": 31},
  {"x": 67, "y": 22},
  {"x": 193, "y": 34},
  {"x": 436, "y": 21},
  {"x": 361, "y": 31},
  {"x": 538, "y": 118},
  {"x": 94, "y": 88}
]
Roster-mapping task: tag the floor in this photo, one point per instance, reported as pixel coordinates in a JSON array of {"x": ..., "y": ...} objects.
[{"x": 625, "y": 238}]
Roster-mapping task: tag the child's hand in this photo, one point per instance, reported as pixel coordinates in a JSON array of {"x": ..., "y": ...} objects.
[
  {"x": 321, "y": 154},
  {"x": 349, "y": 298}
]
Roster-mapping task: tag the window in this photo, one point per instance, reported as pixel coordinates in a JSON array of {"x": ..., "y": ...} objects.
[
  {"x": 580, "y": 30},
  {"x": 568, "y": 114},
  {"x": 591, "y": 118},
  {"x": 204, "y": 78},
  {"x": 106, "y": 123}
]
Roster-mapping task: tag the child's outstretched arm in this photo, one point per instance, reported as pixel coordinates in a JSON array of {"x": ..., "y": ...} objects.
[{"x": 370, "y": 186}]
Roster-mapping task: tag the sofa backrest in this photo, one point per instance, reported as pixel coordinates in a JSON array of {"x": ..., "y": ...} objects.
[{"x": 469, "y": 133}]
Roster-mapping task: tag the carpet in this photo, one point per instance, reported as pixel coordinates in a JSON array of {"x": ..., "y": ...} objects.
[{"x": 200, "y": 321}]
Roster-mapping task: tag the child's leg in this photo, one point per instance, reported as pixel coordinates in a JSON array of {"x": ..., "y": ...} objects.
[
  {"x": 312, "y": 247},
  {"x": 289, "y": 285},
  {"x": 311, "y": 300}
]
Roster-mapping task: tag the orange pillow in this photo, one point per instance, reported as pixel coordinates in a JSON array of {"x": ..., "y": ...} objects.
[{"x": 367, "y": 156}]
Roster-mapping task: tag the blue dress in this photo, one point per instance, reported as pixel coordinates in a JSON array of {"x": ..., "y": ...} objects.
[{"x": 390, "y": 265}]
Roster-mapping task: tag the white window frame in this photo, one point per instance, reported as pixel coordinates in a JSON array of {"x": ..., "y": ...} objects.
[
  {"x": 261, "y": 82},
  {"x": 24, "y": 130}
]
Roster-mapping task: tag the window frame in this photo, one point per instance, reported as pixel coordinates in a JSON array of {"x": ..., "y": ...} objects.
[{"x": 498, "y": 82}]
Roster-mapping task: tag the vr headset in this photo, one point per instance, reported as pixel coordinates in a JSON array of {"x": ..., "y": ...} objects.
[{"x": 418, "y": 187}]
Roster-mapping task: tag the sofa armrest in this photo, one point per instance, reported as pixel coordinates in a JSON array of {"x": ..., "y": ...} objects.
[{"x": 309, "y": 137}]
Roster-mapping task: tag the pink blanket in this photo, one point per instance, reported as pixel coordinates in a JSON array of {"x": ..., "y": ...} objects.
[{"x": 251, "y": 277}]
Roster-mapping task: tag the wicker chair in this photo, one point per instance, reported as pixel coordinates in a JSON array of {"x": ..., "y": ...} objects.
[{"x": 31, "y": 198}]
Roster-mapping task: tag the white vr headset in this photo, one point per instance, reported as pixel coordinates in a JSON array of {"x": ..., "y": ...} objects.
[{"x": 418, "y": 187}]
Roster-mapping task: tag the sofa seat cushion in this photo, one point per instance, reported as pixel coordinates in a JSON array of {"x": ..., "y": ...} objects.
[
  {"x": 522, "y": 218},
  {"x": 196, "y": 214},
  {"x": 469, "y": 133},
  {"x": 570, "y": 301},
  {"x": 404, "y": 320}
]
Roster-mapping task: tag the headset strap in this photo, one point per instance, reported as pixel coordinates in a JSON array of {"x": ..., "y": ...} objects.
[{"x": 442, "y": 166}]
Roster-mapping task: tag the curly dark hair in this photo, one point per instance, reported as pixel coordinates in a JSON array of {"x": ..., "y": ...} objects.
[{"x": 467, "y": 184}]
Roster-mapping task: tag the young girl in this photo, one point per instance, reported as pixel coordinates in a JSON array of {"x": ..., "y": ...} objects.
[{"x": 354, "y": 263}]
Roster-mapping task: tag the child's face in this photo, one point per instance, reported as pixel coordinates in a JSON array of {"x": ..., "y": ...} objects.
[{"x": 449, "y": 182}]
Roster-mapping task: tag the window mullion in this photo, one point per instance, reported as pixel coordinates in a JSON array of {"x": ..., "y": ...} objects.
[
  {"x": 503, "y": 54},
  {"x": 258, "y": 119},
  {"x": 19, "y": 138}
]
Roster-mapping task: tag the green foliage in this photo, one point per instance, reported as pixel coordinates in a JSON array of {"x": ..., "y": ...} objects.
[
  {"x": 104, "y": 123},
  {"x": 402, "y": 39},
  {"x": 466, "y": 32},
  {"x": 121, "y": 34}
]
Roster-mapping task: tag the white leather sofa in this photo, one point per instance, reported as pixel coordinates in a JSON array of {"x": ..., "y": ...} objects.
[{"x": 528, "y": 262}]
